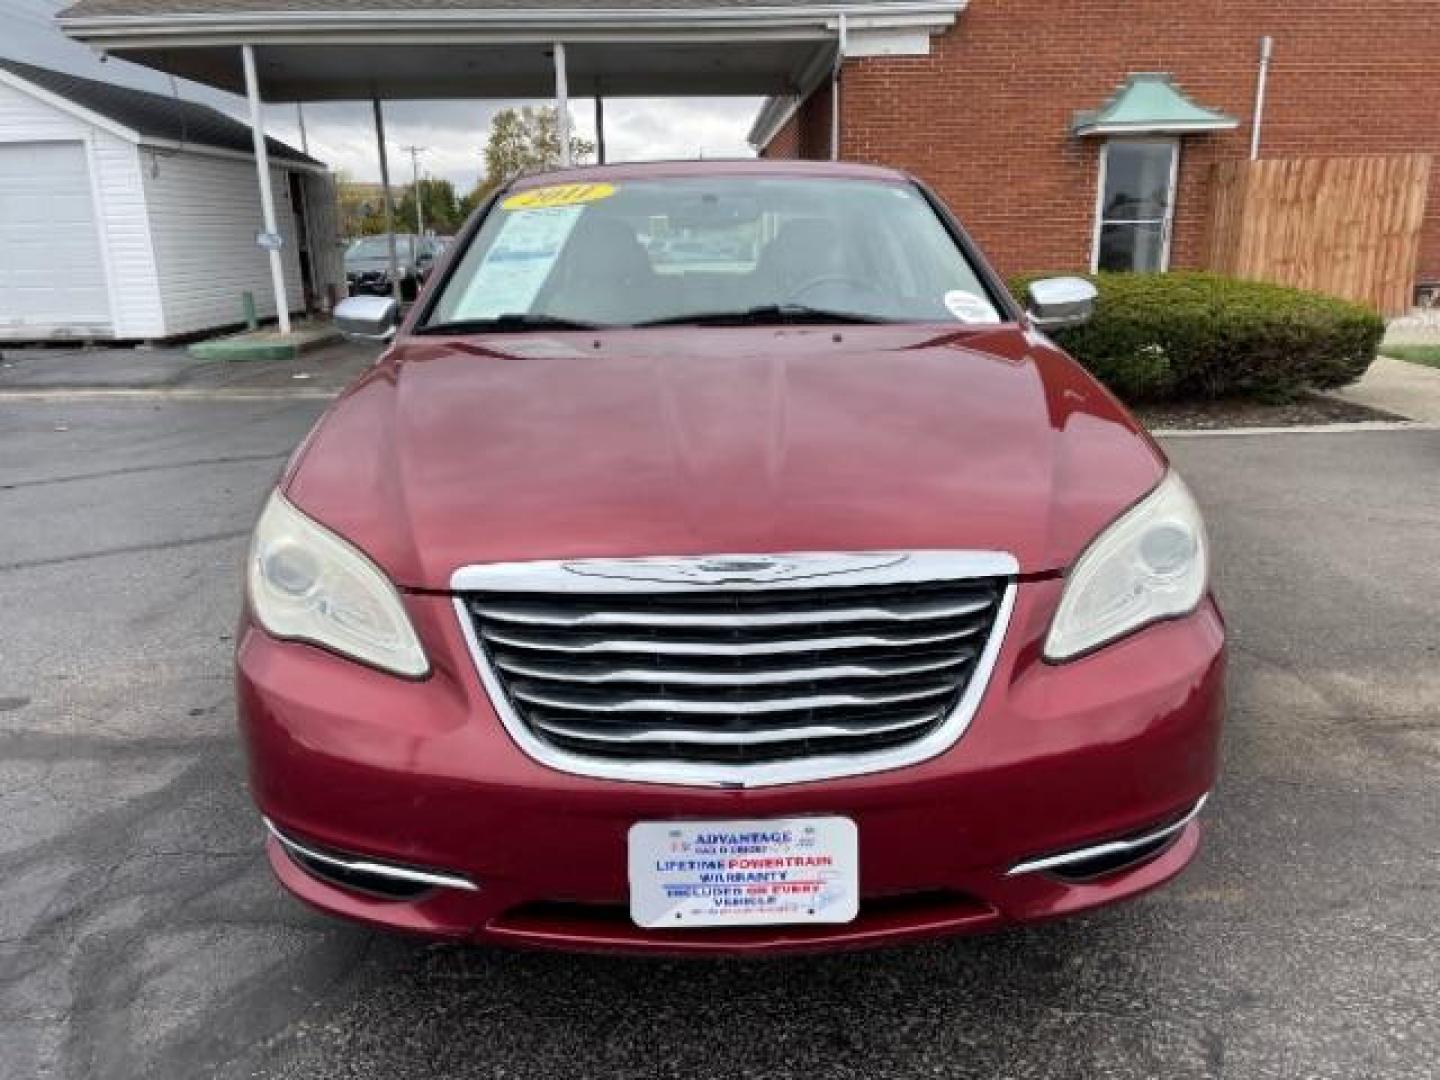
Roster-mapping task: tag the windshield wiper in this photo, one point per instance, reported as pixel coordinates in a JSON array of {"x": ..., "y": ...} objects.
[
  {"x": 760, "y": 315},
  {"x": 764, "y": 314},
  {"x": 510, "y": 322}
]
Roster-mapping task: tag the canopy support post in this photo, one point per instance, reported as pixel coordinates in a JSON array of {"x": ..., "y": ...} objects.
[
  {"x": 562, "y": 104},
  {"x": 389, "y": 206},
  {"x": 267, "y": 196},
  {"x": 599, "y": 126},
  {"x": 835, "y": 90}
]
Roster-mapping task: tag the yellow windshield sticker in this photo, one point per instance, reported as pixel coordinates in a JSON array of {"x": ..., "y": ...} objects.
[{"x": 544, "y": 198}]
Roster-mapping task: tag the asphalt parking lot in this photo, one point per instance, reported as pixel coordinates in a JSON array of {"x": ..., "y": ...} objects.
[{"x": 141, "y": 934}]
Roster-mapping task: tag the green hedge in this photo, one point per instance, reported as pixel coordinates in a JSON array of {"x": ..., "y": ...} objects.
[{"x": 1196, "y": 335}]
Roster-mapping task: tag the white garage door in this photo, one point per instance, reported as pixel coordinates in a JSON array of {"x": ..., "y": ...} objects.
[{"x": 51, "y": 276}]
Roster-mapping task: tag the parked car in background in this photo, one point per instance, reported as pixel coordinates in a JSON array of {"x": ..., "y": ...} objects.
[
  {"x": 825, "y": 603},
  {"x": 367, "y": 264}
]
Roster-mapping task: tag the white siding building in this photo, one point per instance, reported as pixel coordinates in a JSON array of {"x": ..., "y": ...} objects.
[{"x": 129, "y": 215}]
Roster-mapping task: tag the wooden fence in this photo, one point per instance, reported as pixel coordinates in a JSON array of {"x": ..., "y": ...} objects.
[{"x": 1345, "y": 226}]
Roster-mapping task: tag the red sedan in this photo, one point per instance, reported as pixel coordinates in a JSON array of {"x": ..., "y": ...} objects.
[{"x": 720, "y": 560}]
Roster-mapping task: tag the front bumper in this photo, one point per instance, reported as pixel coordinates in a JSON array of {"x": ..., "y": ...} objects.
[{"x": 423, "y": 774}]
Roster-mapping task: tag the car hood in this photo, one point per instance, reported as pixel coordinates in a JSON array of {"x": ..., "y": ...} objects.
[{"x": 458, "y": 451}]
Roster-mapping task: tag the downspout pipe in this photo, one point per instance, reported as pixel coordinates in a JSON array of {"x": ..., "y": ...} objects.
[
  {"x": 1267, "y": 46},
  {"x": 835, "y": 91}
]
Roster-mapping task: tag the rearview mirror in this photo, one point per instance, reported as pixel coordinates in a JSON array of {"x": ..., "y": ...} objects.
[
  {"x": 713, "y": 212},
  {"x": 1058, "y": 302},
  {"x": 367, "y": 318}
]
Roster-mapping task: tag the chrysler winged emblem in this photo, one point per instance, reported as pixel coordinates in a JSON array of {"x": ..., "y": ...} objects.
[{"x": 735, "y": 569}]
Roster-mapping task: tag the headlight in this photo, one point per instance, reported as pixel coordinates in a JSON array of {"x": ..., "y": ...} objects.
[
  {"x": 1151, "y": 563},
  {"x": 307, "y": 584}
]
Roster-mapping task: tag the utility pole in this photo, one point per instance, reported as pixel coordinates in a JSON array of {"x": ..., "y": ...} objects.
[{"x": 415, "y": 152}]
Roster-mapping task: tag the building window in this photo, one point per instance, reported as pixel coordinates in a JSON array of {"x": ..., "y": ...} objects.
[{"x": 1135, "y": 204}]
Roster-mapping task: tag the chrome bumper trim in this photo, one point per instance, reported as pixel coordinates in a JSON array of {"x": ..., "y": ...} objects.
[
  {"x": 365, "y": 866},
  {"x": 1113, "y": 847}
]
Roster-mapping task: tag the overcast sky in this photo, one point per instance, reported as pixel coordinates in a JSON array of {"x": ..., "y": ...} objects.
[{"x": 343, "y": 134}]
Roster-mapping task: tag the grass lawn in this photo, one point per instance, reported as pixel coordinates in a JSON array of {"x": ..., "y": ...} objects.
[{"x": 1429, "y": 355}]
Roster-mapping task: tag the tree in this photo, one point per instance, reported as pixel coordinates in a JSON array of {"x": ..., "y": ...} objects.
[
  {"x": 439, "y": 203},
  {"x": 474, "y": 199},
  {"x": 361, "y": 204},
  {"x": 523, "y": 140}
]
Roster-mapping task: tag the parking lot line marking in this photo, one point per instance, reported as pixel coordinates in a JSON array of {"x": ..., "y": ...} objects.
[
  {"x": 128, "y": 393},
  {"x": 1297, "y": 429}
]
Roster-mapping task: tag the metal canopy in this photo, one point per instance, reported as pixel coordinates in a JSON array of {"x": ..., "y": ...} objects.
[
  {"x": 329, "y": 50},
  {"x": 525, "y": 69}
]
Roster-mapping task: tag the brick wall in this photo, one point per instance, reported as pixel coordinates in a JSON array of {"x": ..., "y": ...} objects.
[
  {"x": 786, "y": 142},
  {"x": 985, "y": 117},
  {"x": 807, "y": 133}
]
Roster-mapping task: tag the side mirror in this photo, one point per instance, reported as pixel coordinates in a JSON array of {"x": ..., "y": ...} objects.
[
  {"x": 367, "y": 318},
  {"x": 1057, "y": 302}
]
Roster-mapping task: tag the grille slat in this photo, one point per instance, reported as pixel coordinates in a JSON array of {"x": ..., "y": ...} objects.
[
  {"x": 570, "y": 642},
  {"x": 592, "y": 674},
  {"x": 719, "y": 706},
  {"x": 565, "y": 616},
  {"x": 701, "y": 737},
  {"x": 735, "y": 676}
]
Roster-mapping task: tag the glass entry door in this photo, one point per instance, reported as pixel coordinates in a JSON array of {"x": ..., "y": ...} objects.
[{"x": 1137, "y": 204}]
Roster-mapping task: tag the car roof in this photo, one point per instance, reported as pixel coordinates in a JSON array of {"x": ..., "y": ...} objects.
[{"x": 656, "y": 170}]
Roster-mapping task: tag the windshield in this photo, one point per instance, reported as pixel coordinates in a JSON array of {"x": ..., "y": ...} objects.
[
  {"x": 378, "y": 247},
  {"x": 708, "y": 249}
]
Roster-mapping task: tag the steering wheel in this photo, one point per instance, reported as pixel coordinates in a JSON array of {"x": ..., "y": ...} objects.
[{"x": 811, "y": 284}]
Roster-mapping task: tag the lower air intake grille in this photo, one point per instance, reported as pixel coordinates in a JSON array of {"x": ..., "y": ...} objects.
[{"x": 735, "y": 675}]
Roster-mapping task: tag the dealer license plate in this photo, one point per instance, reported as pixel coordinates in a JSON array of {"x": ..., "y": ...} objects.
[{"x": 744, "y": 873}]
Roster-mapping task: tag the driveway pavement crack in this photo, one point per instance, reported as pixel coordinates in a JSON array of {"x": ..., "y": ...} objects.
[
  {"x": 135, "y": 470},
  {"x": 127, "y": 549}
]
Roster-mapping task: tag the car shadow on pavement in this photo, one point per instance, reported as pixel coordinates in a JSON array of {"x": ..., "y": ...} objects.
[{"x": 1038, "y": 1001}]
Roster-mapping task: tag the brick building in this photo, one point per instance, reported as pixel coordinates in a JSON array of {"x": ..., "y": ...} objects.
[{"x": 984, "y": 109}]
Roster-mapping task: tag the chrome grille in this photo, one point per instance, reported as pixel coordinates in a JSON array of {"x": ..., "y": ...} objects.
[{"x": 733, "y": 673}]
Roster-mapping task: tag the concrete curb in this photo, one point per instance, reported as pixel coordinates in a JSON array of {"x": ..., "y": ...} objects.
[{"x": 264, "y": 344}]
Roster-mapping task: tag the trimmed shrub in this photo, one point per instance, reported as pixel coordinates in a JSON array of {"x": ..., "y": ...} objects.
[{"x": 1190, "y": 334}]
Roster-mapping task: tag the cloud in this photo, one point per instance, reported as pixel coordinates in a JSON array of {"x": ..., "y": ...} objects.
[
  {"x": 453, "y": 133},
  {"x": 342, "y": 134}
]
